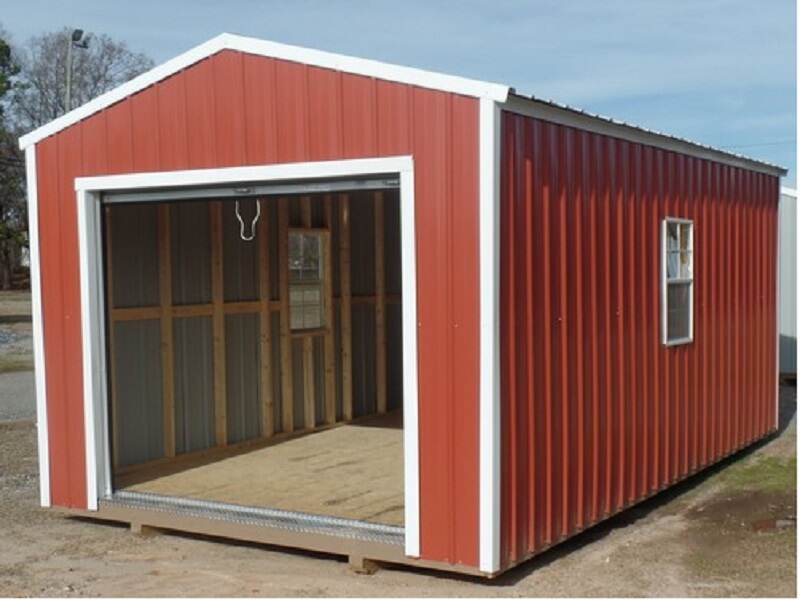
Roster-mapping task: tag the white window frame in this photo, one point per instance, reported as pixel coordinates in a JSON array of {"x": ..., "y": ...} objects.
[
  {"x": 88, "y": 196},
  {"x": 681, "y": 280}
]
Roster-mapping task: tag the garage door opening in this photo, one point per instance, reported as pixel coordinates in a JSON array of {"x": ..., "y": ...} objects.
[{"x": 255, "y": 349}]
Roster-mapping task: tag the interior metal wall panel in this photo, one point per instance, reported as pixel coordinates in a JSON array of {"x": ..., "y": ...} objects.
[
  {"x": 393, "y": 266},
  {"x": 318, "y": 347},
  {"x": 271, "y": 214},
  {"x": 337, "y": 341},
  {"x": 362, "y": 244},
  {"x": 596, "y": 412},
  {"x": 137, "y": 392},
  {"x": 336, "y": 282},
  {"x": 242, "y": 373},
  {"x": 191, "y": 252},
  {"x": 363, "y": 345},
  {"x": 394, "y": 356},
  {"x": 235, "y": 109},
  {"x": 134, "y": 231},
  {"x": 194, "y": 384},
  {"x": 277, "y": 391},
  {"x": 239, "y": 257},
  {"x": 298, "y": 384}
]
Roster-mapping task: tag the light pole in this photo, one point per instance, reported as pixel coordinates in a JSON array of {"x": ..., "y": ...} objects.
[{"x": 77, "y": 40}]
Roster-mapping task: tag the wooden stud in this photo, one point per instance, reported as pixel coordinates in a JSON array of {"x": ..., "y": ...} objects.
[
  {"x": 380, "y": 307},
  {"x": 309, "y": 404},
  {"x": 287, "y": 394},
  {"x": 218, "y": 317},
  {"x": 144, "y": 313},
  {"x": 167, "y": 346},
  {"x": 330, "y": 363},
  {"x": 344, "y": 306},
  {"x": 111, "y": 338},
  {"x": 265, "y": 329}
]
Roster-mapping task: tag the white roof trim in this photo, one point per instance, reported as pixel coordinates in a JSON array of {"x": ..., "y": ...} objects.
[
  {"x": 787, "y": 191},
  {"x": 227, "y": 41}
]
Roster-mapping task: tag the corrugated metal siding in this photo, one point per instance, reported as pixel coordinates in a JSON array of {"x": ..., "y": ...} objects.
[
  {"x": 137, "y": 371},
  {"x": 191, "y": 252},
  {"x": 238, "y": 109},
  {"x": 239, "y": 259},
  {"x": 134, "y": 229},
  {"x": 242, "y": 364},
  {"x": 194, "y": 380},
  {"x": 596, "y": 412}
]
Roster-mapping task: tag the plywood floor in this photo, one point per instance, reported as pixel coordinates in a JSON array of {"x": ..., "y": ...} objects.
[{"x": 353, "y": 471}]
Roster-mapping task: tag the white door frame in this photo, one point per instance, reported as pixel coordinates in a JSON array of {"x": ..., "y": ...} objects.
[{"x": 89, "y": 191}]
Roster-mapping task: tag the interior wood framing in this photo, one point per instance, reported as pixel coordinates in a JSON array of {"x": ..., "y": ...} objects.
[{"x": 327, "y": 375}]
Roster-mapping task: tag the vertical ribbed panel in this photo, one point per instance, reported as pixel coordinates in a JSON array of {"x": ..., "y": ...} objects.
[
  {"x": 596, "y": 412},
  {"x": 137, "y": 366}
]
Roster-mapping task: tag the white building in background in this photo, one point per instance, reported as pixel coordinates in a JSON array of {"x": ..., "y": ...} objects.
[{"x": 787, "y": 259}]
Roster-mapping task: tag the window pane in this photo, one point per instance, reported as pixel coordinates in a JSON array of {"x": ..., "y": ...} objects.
[
  {"x": 296, "y": 318},
  {"x": 686, "y": 236},
  {"x": 678, "y": 306},
  {"x": 672, "y": 236},
  {"x": 686, "y": 264},
  {"x": 672, "y": 265},
  {"x": 312, "y": 316}
]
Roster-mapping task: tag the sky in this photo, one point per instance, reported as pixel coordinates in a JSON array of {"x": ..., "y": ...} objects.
[{"x": 720, "y": 72}]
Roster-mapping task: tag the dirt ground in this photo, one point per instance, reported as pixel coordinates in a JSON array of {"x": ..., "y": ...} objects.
[{"x": 729, "y": 531}]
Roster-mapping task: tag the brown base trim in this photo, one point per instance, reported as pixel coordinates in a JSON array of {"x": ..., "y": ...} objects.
[{"x": 357, "y": 551}]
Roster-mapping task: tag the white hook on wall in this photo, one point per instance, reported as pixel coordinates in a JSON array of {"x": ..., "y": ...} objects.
[{"x": 242, "y": 234}]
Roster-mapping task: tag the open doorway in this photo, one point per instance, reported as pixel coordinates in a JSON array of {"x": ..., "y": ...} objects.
[{"x": 255, "y": 349}]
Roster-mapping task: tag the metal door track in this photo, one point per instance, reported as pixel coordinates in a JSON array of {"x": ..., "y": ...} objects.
[{"x": 261, "y": 517}]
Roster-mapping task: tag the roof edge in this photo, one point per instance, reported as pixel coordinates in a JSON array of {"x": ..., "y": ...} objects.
[
  {"x": 228, "y": 41},
  {"x": 575, "y": 117}
]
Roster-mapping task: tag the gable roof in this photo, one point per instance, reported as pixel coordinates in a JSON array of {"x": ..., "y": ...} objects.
[
  {"x": 378, "y": 70},
  {"x": 308, "y": 56}
]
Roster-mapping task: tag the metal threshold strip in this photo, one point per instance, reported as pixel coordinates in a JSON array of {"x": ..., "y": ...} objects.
[{"x": 261, "y": 517}]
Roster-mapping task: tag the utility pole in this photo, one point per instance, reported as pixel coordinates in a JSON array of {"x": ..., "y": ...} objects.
[{"x": 77, "y": 40}]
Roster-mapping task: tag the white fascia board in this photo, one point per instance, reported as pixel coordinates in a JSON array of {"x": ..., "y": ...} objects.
[
  {"x": 278, "y": 172},
  {"x": 38, "y": 329},
  {"x": 489, "y": 403},
  {"x": 787, "y": 191},
  {"x": 227, "y": 41}
]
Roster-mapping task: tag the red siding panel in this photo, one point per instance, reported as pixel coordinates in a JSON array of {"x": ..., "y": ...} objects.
[
  {"x": 237, "y": 109},
  {"x": 596, "y": 412}
]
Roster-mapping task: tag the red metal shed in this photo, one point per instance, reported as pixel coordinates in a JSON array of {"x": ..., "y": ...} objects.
[{"x": 592, "y": 311}]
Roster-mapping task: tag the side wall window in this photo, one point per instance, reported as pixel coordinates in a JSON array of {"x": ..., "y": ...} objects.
[{"x": 677, "y": 281}]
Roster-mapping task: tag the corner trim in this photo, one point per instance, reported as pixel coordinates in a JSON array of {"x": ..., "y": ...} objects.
[
  {"x": 489, "y": 244},
  {"x": 42, "y": 429}
]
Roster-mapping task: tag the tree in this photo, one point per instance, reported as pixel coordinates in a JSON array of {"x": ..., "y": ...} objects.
[
  {"x": 38, "y": 96},
  {"x": 13, "y": 215},
  {"x": 32, "y": 86}
]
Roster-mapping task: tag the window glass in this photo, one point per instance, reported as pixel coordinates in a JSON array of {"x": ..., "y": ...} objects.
[
  {"x": 672, "y": 236},
  {"x": 305, "y": 280},
  {"x": 678, "y": 307},
  {"x": 679, "y": 273}
]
